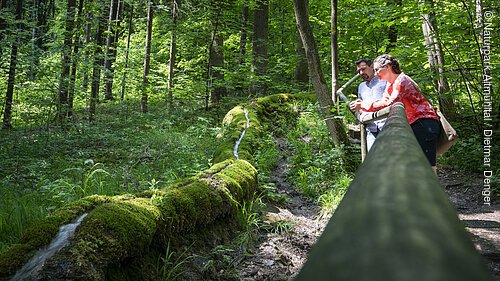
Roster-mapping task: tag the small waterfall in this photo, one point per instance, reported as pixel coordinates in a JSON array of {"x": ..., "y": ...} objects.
[
  {"x": 30, "y": 269},
  {"x": 237, "y": 144}
]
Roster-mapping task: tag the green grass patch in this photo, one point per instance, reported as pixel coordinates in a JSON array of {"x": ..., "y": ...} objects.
[{"x": 122, "y": 152}]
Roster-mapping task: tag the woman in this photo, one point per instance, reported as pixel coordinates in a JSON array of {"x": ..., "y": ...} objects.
[{"x": 401, "y": 88}]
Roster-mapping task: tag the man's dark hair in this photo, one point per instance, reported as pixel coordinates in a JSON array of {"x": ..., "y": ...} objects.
[{"x": 365, "y": 60}]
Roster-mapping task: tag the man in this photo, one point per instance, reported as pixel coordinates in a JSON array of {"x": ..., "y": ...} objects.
[{"x": 372, "y": 89}]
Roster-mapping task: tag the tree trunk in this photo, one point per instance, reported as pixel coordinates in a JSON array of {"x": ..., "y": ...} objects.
[
  {"x": 86, "y": 56},
  {"x": 110, "y": 49},
  {"x": 7, "y": 115},
  {"x": 98, "y": 61},
  {"x": 127, "y": 51},
  {"x": 217, "y": 62},
  {"x": 62, "y": 104},
  {"x": 243, "y": 31},
  {"x": 259, "y": 44},
  {"x": 40, "y": 16},
  {"x": 436, "y": 57},
  {"x": 74, "y": 64},
  {"x": 3, "y": 25},
  {"x": 334, "y": 46},
  {"x": 147, "y": 56},
  {"x": 301, "y": 70},
  {"x": 173, "y": 49},
  {"x": 335, "y": 127},
  {"x": 215, "y": 58}
]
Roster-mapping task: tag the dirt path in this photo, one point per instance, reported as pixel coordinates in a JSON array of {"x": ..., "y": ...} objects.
[
  {"x": 279, "y": 256},
  {"x": 481, "y": 221}
]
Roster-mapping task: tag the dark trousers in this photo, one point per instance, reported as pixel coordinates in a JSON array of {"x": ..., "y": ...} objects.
[{"x": 427, "y": 132}]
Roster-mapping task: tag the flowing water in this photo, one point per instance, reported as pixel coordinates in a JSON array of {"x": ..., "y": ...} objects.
[
  {"x": 29, "y": 270},
  {"x": 237, "y": 144}
]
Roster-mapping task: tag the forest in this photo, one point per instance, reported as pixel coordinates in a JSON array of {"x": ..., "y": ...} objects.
[{"x": 102, "y": 101}]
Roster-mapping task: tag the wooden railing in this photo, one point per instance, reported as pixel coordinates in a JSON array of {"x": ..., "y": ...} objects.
[{"x": 395, "y": 222}]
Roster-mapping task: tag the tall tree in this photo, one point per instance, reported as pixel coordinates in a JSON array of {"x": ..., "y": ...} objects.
[
  {"x": 109, "y": 57},
  {"x": 301, "y": 70},
  {"x": 7, "y": 122},
  {"x": 3, "y": 25},
  {"x": 243, "y": 31},
  {"x": 334, "y": 46},
  {"x": 435, "y": 57},
  {"x": 74, "y": 60},
  {"x": 62, "y": 103},
  {"x": 215, "y": 85},
  {"x": 216, "y": 65},
  {"x": 173, "y": 48},
  {"x": 98, "y": 60},
  {"x": 41, "y": 11},
  {"x": 335, "y": 127},
  {"x": 87, "y": 51},
  {"x": 147, "y": 58},
  {"x": 259, "y": 43},
  {"x": 127, "y": 49}
]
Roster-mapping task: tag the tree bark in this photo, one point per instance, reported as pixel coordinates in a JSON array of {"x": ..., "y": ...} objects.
[
  {"x": 147, "y": 56},
  {"x": 335, "y": 127},
  {"x": 98, "y": 61},
  {"x": 86, "y": 56},
  {"x": 127, "y": 51},
  {"x": 259, "y": 44},
  {"x": 217, "y": 60},
  {"x": 436, "y": 58},
  {"x": 334, "y": 48},
  {"x": 173, "y": 49},
  {"x": 301, "y": 70},
  {"x": 7, "y": 115},
  {"x": 40, "y": 16},
  {"x": 114, "y": 12},
  {"x": 62, "y": 103},
  {"x": 243, "y": 31},
  {"x": 74, "y": 64},
  {"x": 215, "y": 77}
]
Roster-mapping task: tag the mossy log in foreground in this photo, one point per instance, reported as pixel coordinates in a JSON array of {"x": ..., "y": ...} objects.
[{"x": 122, "y": 227}]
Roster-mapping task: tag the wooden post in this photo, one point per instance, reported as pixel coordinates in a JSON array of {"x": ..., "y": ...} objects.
[
  {"x": 364, "y": 148},
  {"x": 395, "y": 222}
]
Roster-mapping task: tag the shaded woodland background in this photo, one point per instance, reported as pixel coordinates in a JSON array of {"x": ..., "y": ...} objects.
[{"x": 90, "y": 88}]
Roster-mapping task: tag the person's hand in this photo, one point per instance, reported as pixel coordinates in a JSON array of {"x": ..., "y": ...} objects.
[{"x": 355, "y": 106}]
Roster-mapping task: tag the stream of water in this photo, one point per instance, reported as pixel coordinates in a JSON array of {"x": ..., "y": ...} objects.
[
  {"x": 237, "y": 144},
  {"x": 29, "y": 270}
]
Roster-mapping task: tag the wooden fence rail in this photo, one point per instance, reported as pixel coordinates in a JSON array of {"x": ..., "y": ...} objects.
[{"x": 395, "y": 222}]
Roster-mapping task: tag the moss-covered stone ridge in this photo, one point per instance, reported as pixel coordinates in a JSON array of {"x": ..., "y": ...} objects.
[{"x": 123, "y": 227}]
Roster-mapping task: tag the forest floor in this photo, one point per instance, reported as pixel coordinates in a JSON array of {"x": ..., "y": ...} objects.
[{"x": 279, "y": 256}]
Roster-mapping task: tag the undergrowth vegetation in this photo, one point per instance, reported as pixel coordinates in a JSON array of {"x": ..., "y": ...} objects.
[
  {"x": 123, "y": 152},
  {"x": 318, "y": 169}
]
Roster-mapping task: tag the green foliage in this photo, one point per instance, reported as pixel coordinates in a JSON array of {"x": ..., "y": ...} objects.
[
  {"x": 281, "y": 226},
  {"x": 170, "y": 266},
  {"x": 123, "y": 152},
  {"x": 318, "y": 170},
  {"x": 330, "y": 200},
  {"x": 249, "y": 214},
  {"x": 266, "y": 158}
]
